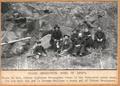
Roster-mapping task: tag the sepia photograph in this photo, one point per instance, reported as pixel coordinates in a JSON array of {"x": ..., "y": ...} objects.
[{"x": 59, "y": 35}]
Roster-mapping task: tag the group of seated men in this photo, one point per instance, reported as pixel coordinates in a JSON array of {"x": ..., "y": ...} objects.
[{"x": 75, "y": 44}]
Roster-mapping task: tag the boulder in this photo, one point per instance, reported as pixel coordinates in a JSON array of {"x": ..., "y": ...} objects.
[{"x": 45, "y": 41}]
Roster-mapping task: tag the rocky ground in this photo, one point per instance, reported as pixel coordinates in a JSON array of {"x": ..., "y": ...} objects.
[{"x": 91, "y": 61}]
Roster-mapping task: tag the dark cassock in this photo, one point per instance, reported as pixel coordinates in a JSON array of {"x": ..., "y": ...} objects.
[
  {"x": 74, "y": 38},
  {"x": 79, "y": 48},
  {"x": 56, "y": 34},
  {"x": 88, "y": 41},
  {"x": 100, "y": 39},
  {"x": 66, "y": 44}
]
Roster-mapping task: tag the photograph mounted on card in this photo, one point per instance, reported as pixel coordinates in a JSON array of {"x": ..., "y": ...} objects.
[{"x": 59, "y": 35}]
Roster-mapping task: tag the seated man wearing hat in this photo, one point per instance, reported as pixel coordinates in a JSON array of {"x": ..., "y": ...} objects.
[
  {"x": 74, "y": 38},
  {"x": 79, "y": 48},
  {"x": 66, "y": 44},
  {"x": 39, "y": 50},
  {"x": 87, "y": 38},
  {"x": 99, "y": 39},
  {"x": 56, "y": 35}
]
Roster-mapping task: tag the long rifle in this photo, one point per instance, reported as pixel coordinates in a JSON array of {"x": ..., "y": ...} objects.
[{"x": 22, "y": 39}]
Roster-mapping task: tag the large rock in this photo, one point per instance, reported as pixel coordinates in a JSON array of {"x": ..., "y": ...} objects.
[{"x": 46, "y": 41}]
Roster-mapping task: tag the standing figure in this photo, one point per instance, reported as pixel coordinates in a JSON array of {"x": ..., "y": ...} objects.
[{"x": 100, "y": 39}]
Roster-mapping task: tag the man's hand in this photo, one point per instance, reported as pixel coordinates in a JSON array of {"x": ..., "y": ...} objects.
[
  {"x": 61, "y": 39},
  {"x": 44, "y": 54},
  {"x": 55, "y": 40},
  {"x": 100, "y": 40},
  {"x": 65, "y": 50},
  {"x": 39, "y": 54},
  {"x": 77, "y": 45},
  {"x": 89, "y": 35}
]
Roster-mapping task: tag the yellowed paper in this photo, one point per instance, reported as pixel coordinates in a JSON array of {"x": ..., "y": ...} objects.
[{"x": 26, "y": 25}]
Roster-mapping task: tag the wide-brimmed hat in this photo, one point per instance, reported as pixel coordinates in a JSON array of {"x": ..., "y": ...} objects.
[
  {"x": 66, "y": 35},
  {"x": 99, "y": 28},
  {"x": 38, "y": 42},
  {"x": 56, "y": 26}
]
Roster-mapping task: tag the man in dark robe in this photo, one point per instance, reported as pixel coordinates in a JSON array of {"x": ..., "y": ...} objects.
[
  {"x": 74, "y": 38},
  {"x": 79, "y": 48},
  {"x": 56, "y": 35},
  {"x": 87, "y": 38},
  {"x": 99, "y": 39},
  {"x": 66, "y": 44}
]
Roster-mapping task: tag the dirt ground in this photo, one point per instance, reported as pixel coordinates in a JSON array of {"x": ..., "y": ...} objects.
[{"x": 91, "y": 61}]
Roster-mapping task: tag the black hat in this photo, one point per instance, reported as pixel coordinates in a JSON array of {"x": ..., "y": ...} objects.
[
  {"x": 39, "y": 42},
  {"x": 66, "y": 35},
  {"x": 56, "y": 26}
]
